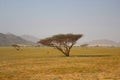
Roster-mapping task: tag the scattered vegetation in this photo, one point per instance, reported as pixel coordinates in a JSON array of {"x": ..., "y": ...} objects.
[
  {"x": 45, "y": 63},
  {"x": 17, "y": 47},
  {"x": 84, "y": 45}
]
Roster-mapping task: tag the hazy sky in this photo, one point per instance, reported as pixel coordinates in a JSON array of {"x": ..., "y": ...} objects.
[{"x": 96, "y": 19}]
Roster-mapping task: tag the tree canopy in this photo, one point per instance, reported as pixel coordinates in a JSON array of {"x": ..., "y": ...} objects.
[
  {"x": 17, "y": 47},
  {"x": 62, "y": 42}
]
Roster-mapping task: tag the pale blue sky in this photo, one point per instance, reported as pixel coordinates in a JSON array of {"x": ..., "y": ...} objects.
[{"x": 96, "y": 19}]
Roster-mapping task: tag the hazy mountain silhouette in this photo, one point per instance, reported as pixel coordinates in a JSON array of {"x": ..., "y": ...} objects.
[
  {"x": 9, "y": 39},
  {"x": 103, "y": 42},
  {"x": 119, "y": 43},
  {"x": 30, "y": 38}
]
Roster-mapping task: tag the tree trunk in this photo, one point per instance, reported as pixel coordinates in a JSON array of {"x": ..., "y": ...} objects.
[{"x": 67, "y": 52}]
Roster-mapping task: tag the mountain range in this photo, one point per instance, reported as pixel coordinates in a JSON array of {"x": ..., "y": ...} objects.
[
  {"x": 30, "y": 38},
  {"x": 104, "y": 42},
  {"x": 9, "y": 39}
]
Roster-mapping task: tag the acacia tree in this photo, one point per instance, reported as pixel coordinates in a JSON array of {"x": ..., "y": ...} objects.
[
  {"x": 17, "y": 47},
  {"x": 62, "y": 42}
]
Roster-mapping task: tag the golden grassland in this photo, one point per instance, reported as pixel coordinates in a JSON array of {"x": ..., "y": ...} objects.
[{"x": 44, "y": 63}]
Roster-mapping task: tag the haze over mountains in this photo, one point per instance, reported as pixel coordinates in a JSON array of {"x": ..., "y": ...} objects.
[
  {"x": 9, "y": 39},
  {"x": 30, "y": 38},
  {"x": 104, "y": 42}
]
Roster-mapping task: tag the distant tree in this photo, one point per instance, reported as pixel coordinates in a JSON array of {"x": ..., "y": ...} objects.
[
  {"x": 16, "y": 46},
  {"x": 62, "y": 42},
  {"x": 84, "y": 45}
]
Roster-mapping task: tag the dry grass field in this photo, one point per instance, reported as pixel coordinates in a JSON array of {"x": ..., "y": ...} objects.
[{"x": 43, "y": 63}]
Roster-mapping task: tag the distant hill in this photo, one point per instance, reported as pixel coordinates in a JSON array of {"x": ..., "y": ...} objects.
[
  {"x": 119, "y": 43},
  {"x": 9, "y": 39},
  {"x": 103, "y": 42},
  {"x": 30, "y": 38}
]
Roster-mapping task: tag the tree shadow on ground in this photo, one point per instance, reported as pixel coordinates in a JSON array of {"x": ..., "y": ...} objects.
[{"x": 90, "y": 55}]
